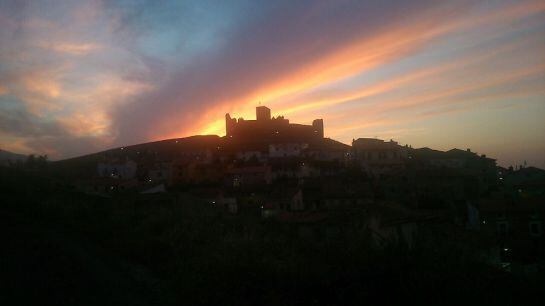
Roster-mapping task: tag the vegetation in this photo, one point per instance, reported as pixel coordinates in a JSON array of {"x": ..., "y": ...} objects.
[{"x": 174, "y": 249}]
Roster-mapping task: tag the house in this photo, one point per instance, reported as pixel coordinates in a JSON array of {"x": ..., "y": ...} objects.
[
  {"x": 518, "y": 225},
  {"x": 125, "y": 169},
  {"x": 439, "y": 188},
  {"x": 378, "y": 157},
  {"x": 161, "y": 171},
  {"x": 279, "y": 150},
  {"x": 329, "y": 150},
  {"x": 390, "y": 225},
  {"x": 226, "y": 202},
  {"x": 244, "y": 176},
  {"x": 249, "y": 155},
  {"x": 105, "y": 185},
  {"x": 323, "y": 195},
  {"x": 269, "y": 210},
  {"x": 526, "y": 182},
  {"x": 480, "y": 168},
  {"x": 285, "y": 168}
]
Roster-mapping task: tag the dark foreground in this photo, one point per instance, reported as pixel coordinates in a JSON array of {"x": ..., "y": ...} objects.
[{"x": 65, "y": 248}]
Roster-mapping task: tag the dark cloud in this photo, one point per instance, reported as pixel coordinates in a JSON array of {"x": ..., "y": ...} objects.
[
  {"x": 20, "y": 123},
  {"x": 43, "y": 136}
]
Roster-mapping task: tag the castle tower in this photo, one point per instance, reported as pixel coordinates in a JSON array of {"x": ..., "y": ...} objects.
[
  {"x": 318, "y": 126},
  {"x": 229, "y": 124},
  {"x": 262, "y": 113}
]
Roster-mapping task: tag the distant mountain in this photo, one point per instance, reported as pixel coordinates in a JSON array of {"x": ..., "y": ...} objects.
[{"x": 6, "y": 157}]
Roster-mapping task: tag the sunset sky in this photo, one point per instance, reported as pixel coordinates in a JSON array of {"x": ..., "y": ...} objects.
[{"x": 77, "y": 77}]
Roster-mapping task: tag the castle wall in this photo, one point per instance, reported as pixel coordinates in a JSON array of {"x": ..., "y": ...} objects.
[{"x": 273, "y": 130}]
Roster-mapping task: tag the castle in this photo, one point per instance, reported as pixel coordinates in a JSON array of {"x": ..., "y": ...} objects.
[{"x": 267, "y": 129}]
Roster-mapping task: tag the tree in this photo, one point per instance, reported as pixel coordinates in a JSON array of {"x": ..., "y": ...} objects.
[{"x": 34, "y": 162}]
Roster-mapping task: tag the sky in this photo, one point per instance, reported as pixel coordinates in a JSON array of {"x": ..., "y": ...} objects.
[{"x": 78, "y": 77}]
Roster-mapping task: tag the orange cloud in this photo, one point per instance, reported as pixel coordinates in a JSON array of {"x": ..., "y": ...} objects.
[
  {"x": 74, "y": 48},
  {"x": 344, "y": 62},
  {"x": 42, "y": 85},
  {"x": 14, "y": 144},
  {"x": 40, "y": 89},
  {"x": 491, "y": 81},
  {"x": 406, "y": 81},
  {"x": 391, "y": 43},
  {"x": 86, "y": 124},
  {"x": 440, "y": 101}
]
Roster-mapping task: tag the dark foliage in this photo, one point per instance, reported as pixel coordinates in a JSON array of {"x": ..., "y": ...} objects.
[{"x": 63, "y": 247}]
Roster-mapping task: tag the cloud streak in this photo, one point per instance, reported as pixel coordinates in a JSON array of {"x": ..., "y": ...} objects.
[{"x": 86, "y": 76}]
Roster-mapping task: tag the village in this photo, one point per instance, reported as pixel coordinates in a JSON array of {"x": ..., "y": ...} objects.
[{"x": 321, "y": 189}]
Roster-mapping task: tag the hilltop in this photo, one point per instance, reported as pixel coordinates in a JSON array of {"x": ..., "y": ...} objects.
[
  {"x": 6, "y": 157},
  {"x": 162, "y": 149}
]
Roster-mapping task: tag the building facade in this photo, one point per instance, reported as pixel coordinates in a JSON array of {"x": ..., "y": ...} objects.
[{"x": 377, "y": 156}]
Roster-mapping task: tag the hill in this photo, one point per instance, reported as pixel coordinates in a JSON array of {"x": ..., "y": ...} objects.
[
  {"x": 82, "y": 166},
  {"x": 7, "y": 157}
]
